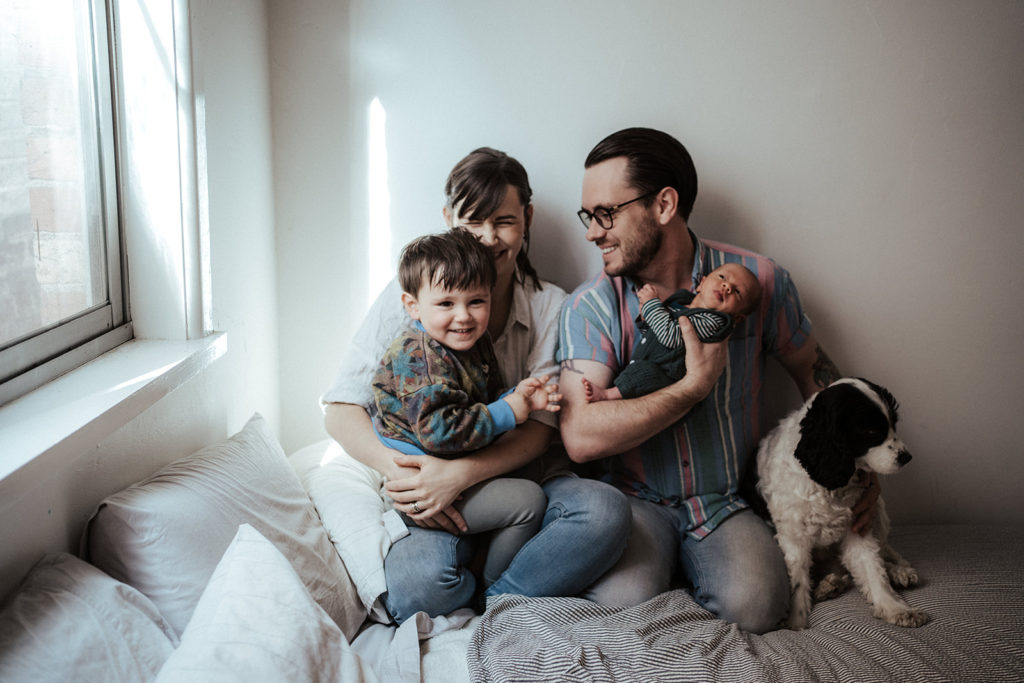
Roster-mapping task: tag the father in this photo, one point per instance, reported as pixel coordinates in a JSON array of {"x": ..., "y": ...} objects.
[{"x": 681, "y": 452}]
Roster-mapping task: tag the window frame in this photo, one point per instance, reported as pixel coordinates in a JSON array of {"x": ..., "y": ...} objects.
[{"x": 47, "y": 353}]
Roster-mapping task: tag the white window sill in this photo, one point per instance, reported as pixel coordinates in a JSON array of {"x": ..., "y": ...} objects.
[{"x": 73, "y": 413}]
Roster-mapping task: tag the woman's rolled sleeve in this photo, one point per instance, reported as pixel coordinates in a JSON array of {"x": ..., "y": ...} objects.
[{"x": 383, "y": 322}]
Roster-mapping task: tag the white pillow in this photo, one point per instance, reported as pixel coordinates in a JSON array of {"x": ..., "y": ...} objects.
[
  {"x": 256, "y": 622},
  {"x": 360, "y": 523},
  {"x": 68, "y": 621},
  {"x": 165, "y": 535}
]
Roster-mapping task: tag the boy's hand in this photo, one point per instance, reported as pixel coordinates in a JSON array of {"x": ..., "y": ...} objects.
[{"x": 534, "y": 393}]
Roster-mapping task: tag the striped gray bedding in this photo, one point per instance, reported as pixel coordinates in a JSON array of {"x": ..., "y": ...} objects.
[{"x": 973, "y": 588}]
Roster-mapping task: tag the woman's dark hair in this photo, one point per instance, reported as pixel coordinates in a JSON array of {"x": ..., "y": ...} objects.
[
  {"x": 656, "y": 160},
  {"x": 455, "y": 260},
  {"x": 477, "y": 186}
]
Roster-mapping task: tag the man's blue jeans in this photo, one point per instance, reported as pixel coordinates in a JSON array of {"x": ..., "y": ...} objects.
[
  {"x": 585, "y": 529},
  {"x": 737, "y": 571}
]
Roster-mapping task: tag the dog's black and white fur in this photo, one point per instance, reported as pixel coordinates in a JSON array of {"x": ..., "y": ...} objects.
[{"x": 813, "y": 467}]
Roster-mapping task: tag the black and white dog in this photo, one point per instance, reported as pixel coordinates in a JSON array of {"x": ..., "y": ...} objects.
[{"x": 812, "y": 468}]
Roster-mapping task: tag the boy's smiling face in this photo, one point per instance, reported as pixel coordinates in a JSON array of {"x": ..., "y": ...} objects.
[
  {"x": 730, "y": 288},
  {"x": 455, "y": 317}
]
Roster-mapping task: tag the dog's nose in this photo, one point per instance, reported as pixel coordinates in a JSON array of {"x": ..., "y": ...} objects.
[{"x": 903, "y": 457}]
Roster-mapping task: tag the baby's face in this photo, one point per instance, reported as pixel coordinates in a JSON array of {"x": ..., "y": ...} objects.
[{"x": 730, "y": 288}]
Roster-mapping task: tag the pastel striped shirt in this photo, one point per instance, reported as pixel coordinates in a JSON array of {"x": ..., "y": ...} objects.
[{"x": 699, "y": 462}]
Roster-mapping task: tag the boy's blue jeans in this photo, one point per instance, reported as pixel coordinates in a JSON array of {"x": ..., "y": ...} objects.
[{"x": 585, "y": 529}]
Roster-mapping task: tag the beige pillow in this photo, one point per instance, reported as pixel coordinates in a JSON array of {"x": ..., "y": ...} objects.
[{"x": 165, "y": 535}]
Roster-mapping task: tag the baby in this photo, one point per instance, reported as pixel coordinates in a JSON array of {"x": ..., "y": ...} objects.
[
  {"x": 723, "y": 299},
  {"x": 438, "y": 388}
]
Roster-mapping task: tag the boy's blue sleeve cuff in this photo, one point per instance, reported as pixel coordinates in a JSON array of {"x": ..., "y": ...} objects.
[
  {"x": 504, "y": 417},
  {"x": 400, "y": 446}
]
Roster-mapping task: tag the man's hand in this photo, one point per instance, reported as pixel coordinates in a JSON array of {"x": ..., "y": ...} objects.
[
  {"x": 864, "y": 510},
  {"x": 704, "y": 362},
  {"x": 427, "y": 495}
]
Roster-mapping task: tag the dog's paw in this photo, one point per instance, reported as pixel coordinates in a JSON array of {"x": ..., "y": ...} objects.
[
  {"x": 903, "y": 576},
  {"x": 798, "y": 617},
  {"x": 797, "y": 620},
  {"x": 831, "y": 585},
  {"x": 909, "y": 618},
  {"x": 799, "y": 606}
]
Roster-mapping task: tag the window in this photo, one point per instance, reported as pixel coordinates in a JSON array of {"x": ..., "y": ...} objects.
[{"x": 62, "y": 285}]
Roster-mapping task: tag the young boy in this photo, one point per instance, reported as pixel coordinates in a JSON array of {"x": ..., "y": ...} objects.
[
  {"x": 722, "y": 300},
  {"x": 438, "y": 387}
]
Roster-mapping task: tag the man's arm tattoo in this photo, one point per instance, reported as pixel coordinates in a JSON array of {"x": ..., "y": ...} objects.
[
  {"x": 825, "y": 371},
  {"x": 569, "y": 366}
]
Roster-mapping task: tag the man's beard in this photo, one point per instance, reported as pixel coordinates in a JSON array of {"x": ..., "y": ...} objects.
[{"x": 640, "y": 250}]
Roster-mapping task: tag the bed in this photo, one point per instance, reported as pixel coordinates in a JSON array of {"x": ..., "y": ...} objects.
[
  {"x": 239, "y": 563},
  {"x": 973, "y": 589}
]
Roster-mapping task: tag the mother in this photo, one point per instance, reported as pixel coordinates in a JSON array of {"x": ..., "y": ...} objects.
[{"x": 586, "y": 525}]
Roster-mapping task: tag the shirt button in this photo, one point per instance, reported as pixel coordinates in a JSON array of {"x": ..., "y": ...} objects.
[{"x": 686, "y": 463}]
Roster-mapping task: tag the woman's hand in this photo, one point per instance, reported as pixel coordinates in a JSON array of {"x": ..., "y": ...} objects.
[
  {"x": 864, "y": 510},
  {"x": 427, "y": 493}
]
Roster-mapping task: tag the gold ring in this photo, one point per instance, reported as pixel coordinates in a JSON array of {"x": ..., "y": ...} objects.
[{"x": 416, "y": 507}]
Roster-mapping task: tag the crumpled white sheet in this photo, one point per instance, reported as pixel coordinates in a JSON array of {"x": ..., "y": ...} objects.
[
  {"x": 394, "y": 653},
  {"x": 362, "y": 526}
]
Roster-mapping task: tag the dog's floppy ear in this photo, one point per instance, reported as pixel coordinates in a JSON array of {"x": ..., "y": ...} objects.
[{"x": 822, "y": 450}]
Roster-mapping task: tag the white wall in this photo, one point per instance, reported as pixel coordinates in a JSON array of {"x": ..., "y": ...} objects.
[
  {"x": 873, "y": 148},
  {"x": 316, "y": 250},
  {"x": 231, "y": 72}
]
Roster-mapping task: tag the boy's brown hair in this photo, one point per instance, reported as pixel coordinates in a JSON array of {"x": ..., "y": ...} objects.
[{"x": 455, "y": 260}]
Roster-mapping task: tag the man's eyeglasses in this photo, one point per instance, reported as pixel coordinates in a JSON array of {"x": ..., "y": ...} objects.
[{"x": 605, "y": 215}]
